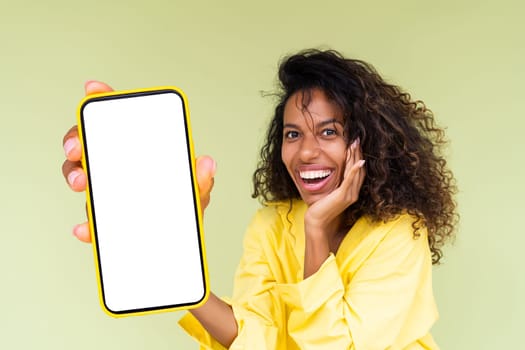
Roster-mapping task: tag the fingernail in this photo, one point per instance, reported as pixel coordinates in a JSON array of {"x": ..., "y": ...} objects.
[
  {"x": 361, "y": 163},
  {"x": 72, "y": 177},
  {"x": 211, "y": 164},
  {"x": 75, "y": 231},
  {"x": 354, "y": 145},
  {"x": 358, "y": 140},
  {"x": 69, "y": 145},
  {"x": 79, "y": 230}
]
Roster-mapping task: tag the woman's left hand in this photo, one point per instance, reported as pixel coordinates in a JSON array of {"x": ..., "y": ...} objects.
[{"x": 322, "y": 213}]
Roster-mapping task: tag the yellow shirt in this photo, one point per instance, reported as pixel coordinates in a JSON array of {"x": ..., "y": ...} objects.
[{"x": 375, "y": 293}]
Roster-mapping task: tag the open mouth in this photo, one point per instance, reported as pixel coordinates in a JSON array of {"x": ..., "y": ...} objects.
[{"x": 314, "y": 176}]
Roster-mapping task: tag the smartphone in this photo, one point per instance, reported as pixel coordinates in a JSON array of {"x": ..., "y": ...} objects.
[{"x": 142, "y": 201}]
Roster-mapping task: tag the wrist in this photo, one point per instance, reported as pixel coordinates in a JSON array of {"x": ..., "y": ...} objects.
[
  {"x": 315, "y": 233},
  {"x": 320, "y": 230}
]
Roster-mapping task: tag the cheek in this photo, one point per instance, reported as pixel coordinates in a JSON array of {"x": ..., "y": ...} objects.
[
  {"x": 288, "y": 153},
  {"x": 285, "y": 156},
  {"x": 336, "y": 151},
  {"x": 338, "y": 155}
]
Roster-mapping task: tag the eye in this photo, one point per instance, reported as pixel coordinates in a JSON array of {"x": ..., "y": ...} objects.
[
  {"x": 329, "y": 132},
  {"x": 291, "y": 134}
]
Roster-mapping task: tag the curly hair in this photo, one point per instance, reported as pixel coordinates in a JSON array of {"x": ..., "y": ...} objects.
[{"x": 402, "y": 145}]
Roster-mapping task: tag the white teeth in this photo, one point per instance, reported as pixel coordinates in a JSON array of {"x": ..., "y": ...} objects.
[{"x": 314, "y": 174}]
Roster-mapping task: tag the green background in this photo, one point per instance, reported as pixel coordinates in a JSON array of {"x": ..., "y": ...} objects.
[{"x": 463, "y": 58}]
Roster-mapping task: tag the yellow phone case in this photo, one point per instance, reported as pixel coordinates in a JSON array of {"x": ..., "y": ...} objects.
[{"x": 98, "y": 250}]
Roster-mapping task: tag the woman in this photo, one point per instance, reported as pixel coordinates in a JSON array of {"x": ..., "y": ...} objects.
[{"x": 357, "y": 205}]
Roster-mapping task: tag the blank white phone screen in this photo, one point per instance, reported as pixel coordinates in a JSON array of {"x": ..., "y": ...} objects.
[{"x": 143, "y": 201}]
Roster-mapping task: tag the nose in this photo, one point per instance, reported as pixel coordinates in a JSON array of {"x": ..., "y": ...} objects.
[{"x": 310, "y": 148}]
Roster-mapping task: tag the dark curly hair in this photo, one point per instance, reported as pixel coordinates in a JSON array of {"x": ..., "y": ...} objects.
[{"x": 405, "y": 170}]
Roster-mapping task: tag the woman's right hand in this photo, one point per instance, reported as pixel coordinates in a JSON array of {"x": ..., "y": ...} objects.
[{"x": 76, "y": 176}]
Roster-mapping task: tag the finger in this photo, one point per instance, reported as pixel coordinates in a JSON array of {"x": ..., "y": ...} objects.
[
  {"x": 205, "y": 198},
  {"x": 347, "y": 191},
  {"x": 353, "y": 148},
  {"x": 360, "y": 178},
  {"x": 94, "y": 87},
  {"x": 205, "y": 168},
  {"x": 348, "y": 164},
  {"x": 362, "y": 174},
  {"x": 81, "y": 231},
  {"x": 350, "y": 161},
  {"x": 355, "y": 157},
  {"x": 355, "y": 169},
  {"x": 71, "y": 144},
  {"x": 358, "y": 150},
  {"x": 362, "y": 170},
  {"x": 74, "y": 175},
  {"x": 354, "y": 187}
]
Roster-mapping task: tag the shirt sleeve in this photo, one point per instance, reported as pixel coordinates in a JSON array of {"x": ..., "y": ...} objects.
[
  {"x": 256, "y": 305},
  {"x": 316, "y": 309},
  {"x": 254, "y": 302},
  {"x": 193, "y": 327},
  {"x": 386, "y": 304}
]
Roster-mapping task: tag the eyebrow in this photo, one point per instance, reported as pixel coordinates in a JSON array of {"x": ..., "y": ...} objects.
[{"x": 318, "y": 125}]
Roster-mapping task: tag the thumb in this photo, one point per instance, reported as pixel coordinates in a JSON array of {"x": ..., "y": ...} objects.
[
  {"x": 205, "y": 169},
  {"x": 94, "y": 87}
]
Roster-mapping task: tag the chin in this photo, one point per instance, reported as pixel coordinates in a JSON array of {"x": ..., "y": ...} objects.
[{"x": 312, "y": 198}]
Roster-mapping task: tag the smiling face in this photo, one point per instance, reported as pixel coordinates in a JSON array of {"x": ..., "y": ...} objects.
[{"x": 314, "y": 147}]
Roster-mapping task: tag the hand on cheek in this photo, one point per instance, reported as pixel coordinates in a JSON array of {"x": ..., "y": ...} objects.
[{"x": 323, "y": 212}]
